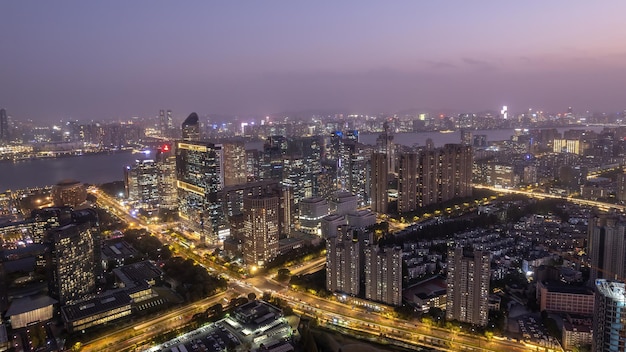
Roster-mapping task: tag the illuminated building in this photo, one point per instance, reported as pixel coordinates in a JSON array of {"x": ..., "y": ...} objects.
[
  {"x": 261, "y": 227},
  {"x": 166, "y": 164},
  {"x": 191, "y": 128},
  {"x": 329, "y": 225},
  {"x": 607, "y": 248},
  {"x": 49, "y": 218},
  {"x": 378, "y": 185},
  {"x": 25, "y": 311},
  {"x": 407, "y": 182},
  {"x": 558, "y": 298},
  {"x": 609, "y": 320},
  {"x": 199, "y": 177},
  {"x": 74, "y": 257},
  {"x": 444, "y": 173},
  {"x": 343, "y": 202},
  {"x": 4, "y": 126},
  {"x": 573, "y": 146},
  {"x": 383, "y": 274},
  {"x": 468, "y": 286},
  {"x": 343, "y": 263},
  {"x": 311, "y": 212},
  {"x": 166, "y": 124},
  {"x": 234, "y": 163},
  {"x": 142, "y": 183},
  {"x": 69, "y": 193}
]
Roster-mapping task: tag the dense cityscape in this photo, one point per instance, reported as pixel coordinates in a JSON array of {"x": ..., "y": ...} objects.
[
  {"x": 264, "y": 235},
  {"x": 277, "y": 176}
]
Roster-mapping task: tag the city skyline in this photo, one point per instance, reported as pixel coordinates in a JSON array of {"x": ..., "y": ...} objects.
[{"x": 71, "y": 60}]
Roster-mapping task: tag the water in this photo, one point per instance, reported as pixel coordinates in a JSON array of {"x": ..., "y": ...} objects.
[
  {"x": 92, "y": 168},
  {"x": 103, "y": 168}
]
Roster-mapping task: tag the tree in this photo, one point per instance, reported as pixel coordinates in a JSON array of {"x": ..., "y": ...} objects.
[{"x": 283, "y": 274}]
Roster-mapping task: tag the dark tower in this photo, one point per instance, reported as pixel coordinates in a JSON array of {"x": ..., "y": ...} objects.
[{"x": 191, "y": 128}]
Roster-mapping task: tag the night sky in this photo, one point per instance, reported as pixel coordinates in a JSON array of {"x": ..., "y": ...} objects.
[{"x": 116, "y": 59}]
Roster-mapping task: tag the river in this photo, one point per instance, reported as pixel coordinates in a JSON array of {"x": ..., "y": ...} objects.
[{"x": 102, "y": 168}]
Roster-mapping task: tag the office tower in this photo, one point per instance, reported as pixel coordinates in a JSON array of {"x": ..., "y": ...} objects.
[
  {"x": 49, "y": 218},
  {"x": 609, "y": 320},
  {"x": 271, "y": 163},
  {"x": 191, "y": 128},
  {"x": 234, "y": 163},
  {"x": 468, "y": 286},
  {"x": 4, "y": 126},
  {"x": 378, "y": 185},
  {"x": 142, "y": 183},
  {"x": 166, "y": 164},
  {"x": 407, "y": 182},
  {"x": 69, "y": 193},
  {"x": 343, "y": 263},
  {"x": 166, "y": 123},
  {"x": 607, "y": 248},
  {"x": 199, "y": 177},
  {"x": 74, "y": 257},
  {"x": 383, "y": 274},
  {"x": 311, "y": 211},
  {"x": 444, "y": 173},
  {"x": 261, "y": 226}
]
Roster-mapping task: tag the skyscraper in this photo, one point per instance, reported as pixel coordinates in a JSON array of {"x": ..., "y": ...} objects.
[
  {"x": 74, "y": 257},
  {"x": 234, "y": 163},
  {"x": 191, "y": 128},
  {"x": 142, "y": 183},
  {"x": 343, "y": 262},
  {"x": 166, "y": 164},
  {"x": 4, "y": 126},
  {"x": 609, "y": 320},
  {"x": 407, "y": 182},
  {"x": 468, "y": 286},
  {"x": 166, "y": 123},
  {"x": 607, "y": 248},
  {"x": 383, "y": 274},
  {"x": 261, "y": 228},
  {"x": 378, "y": 185},
  {"x": 199, "y": 177}
]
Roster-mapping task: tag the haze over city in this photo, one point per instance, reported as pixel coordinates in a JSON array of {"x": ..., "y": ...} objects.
[{"x": 77, "y": 60}]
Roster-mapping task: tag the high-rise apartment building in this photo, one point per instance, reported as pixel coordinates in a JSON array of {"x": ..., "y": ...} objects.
[
  {"x": 261, "y": 228},
  {"x": 4, "y": 126},
  {"x": 468, "y": 286},
  {"x": 199, "y": 178},
  {"x": 607, "y": 248},
  {"x": 74, "y": 257},
  {"x": 609, "y": 320},
  {"x": 343, "y": 263},
  {"x": 378, "y": 185},
  {"x": 444, "y": 173},
  {"x": 191, "y": 128},
  {"x": 407, "y": 182},
  {"x": 383, "y": 274}
]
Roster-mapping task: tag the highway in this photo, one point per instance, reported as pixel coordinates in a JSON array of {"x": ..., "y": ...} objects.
[
  {"x": 331, "y": 313},
  {"x": 541, "y": 195}
]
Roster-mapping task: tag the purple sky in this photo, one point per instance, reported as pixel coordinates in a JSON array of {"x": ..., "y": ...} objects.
[{"x": 116, "y": 59}]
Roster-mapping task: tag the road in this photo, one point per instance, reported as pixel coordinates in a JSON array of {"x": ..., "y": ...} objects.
[
  {"x": 136, "y": 334},
  {"x": 328, "y": 312},
  {"x": 541, "y": 195}
]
